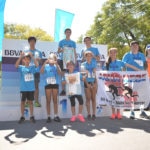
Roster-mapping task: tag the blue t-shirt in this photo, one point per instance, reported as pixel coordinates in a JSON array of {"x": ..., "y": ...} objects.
[
  {"x": 66, "y": 43},
  {"x": 36, "y": 53},
  {"x": 136, "y": 60},
  {"x": 51, "y": 74},
  {"x": 116, "y": 65},
  {"x": 90, "y": 67},
  {"x": 27, "y": 77},
  {"x": 94, "y": 50}
]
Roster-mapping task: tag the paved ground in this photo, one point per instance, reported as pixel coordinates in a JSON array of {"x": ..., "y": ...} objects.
[{"x": 102, "y": 134}]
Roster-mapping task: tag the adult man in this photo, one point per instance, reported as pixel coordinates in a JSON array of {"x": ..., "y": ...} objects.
[
  {"x": 38, "y": 55},
  {"x": 137, "y": 59},
  {"x": 65, "y": 43}
]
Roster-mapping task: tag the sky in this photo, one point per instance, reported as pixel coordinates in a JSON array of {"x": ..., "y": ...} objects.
[{"x": 41, "y": 13}]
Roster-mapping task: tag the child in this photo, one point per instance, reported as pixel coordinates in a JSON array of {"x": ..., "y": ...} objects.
[
  {"x": 71, "y": 67},
  {"x": 51, "y": 70},
  {"x": 148, "y": 66},
  {"x": 90, "y": 84},
  {"x": 27, "y": 86},
  {"x": 113, "y": 64}
]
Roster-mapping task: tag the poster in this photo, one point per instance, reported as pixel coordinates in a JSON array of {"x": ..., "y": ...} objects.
[
  {"x": 123, "y": 89},
  {"x": 68, "y": 54},
  {"x": 73, "y": 86}
]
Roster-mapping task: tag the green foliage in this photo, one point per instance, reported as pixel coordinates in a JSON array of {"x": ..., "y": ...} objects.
[
  {"x": 20, "y": 31},
  {"x": 121, "y": 21}
]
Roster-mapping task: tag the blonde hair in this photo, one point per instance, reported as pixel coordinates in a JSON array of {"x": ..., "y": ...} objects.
[
  {"x": 109, "y": 58},
  {"x": 52, "y": 56},
  {"x": 87, "y": 52}
]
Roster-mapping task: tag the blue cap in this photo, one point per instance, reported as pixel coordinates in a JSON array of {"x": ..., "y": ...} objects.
[{"x": 148, "y": 47}]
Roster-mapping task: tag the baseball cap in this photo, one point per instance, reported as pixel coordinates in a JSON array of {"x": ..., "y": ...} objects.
[{"x": 134, "y": 42}]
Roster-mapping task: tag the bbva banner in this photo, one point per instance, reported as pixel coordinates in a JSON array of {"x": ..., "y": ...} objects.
[
  {"x": 10, "y": 53},
  {"x": 123, "y": 89}
]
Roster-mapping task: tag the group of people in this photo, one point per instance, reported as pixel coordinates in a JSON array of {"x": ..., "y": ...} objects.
[{"x": 28, "y": 65}]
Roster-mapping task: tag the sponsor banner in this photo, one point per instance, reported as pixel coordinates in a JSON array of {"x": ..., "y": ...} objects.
[{"x": 124, "y": 89}]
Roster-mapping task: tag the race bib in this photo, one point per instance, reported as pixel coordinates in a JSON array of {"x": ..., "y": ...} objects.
[
  {"x": 139, "y": 62},
  {"x": 28, "y": 77},
  {"x": 51, "y": 80}
]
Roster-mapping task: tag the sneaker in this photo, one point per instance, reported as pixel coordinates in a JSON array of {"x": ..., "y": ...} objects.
[
  {"x": 73, "y": 119},
  {"x": 93, "y": 117},
  {"x": 32, "y": 119},
  {"x": 147, "y": 109},
  {"x": 132, "y": 115},
  {"x": 62, "y": 93},
  {"x": 22, "y": 119},
  {"x": 113, "y": 116},
  {"x": 119, "y": 116},
  {"x": 89, "y": 117},
  {"x": 81, "y": 118},
  {"x": 144, "y": 115},
  {"x": 48, "y": 120},
  {"x": 37, "y": 104},
  {"x": 57, "y": 119}
]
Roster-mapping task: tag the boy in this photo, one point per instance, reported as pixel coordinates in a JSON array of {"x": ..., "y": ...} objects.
[
  {"x": 38, "y": 55},
  {"x": 27, "y": 86},
  {"x": 67, "y": 42}
]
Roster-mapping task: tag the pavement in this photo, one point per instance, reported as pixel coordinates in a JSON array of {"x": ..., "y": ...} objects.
[{"x": 101, "y": 134}]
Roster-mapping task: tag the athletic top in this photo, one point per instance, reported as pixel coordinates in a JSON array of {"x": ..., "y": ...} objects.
[
  {"x": 148, "y": 68},
  {"x": 116, "y": 65},
  {"x": 27, "y": 77},
  {"x": 90, "y": 67},
  {"x": 51, "y": 74},
  {"x": 66, "y": 43},
  {"x": 136, "y": 60}
]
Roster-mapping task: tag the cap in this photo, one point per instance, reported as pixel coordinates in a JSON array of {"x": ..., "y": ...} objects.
[
  {"x": 148, "y": 47},
  {"x": 134, "y": 42}
]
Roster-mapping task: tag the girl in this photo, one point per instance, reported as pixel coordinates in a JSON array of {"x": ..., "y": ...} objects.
[
  {"x": 71, "y": 67},
  {"x": 113, "y": 64},
  {"x": 51, "y": 70},
  {"x": 90, "y": 84}
]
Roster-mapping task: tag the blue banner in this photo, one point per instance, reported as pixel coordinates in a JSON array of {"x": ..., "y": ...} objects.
[
  {"x": 2, "y": 6},
  {"x": 63, "y": 20}
]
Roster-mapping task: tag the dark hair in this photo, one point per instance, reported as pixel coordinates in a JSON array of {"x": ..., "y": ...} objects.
[
  {"x": 27, "y": 56},
  {"x": 87, "y": 37},
  {"x": 70, "y": 62},
  {"x": 108, "y": 63},
  {"x": 67, "y": 29},
  {"x": 31, "y": 38}
]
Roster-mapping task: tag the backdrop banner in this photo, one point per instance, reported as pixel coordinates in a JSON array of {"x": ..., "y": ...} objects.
[
  {"x": 123, "y": 89},
  {"x": 10, "y": 76}
]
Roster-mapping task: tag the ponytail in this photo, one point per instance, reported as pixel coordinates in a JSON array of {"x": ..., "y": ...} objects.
[{"x": 108, "y": 63}]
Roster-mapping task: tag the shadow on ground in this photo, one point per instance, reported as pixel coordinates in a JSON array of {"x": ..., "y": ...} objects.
[{"x": 27, "y": 131}]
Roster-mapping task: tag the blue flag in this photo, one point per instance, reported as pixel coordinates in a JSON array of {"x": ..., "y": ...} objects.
[
  {"x": 2, "y": 6},
  {"x": 63, "y": 20}
]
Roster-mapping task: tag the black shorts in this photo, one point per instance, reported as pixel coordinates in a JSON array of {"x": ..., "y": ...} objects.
[
  {"x": 60, "y": 63},
  {"x": 36, "y": 79},
  {"x": 91, "y": 83},
  {"x": 52, "y": 86},
  {"x": 27, "y": 95},
  {"x": 78, "y": 97}
]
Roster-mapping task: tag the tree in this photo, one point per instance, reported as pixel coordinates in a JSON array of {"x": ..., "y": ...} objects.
[
  {"x": 121, "y": 21},
  {"x": 20, "y": 31}
]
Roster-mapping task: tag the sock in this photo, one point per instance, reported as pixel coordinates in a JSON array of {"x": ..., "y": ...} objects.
[{"x": 141, "y": 108}]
